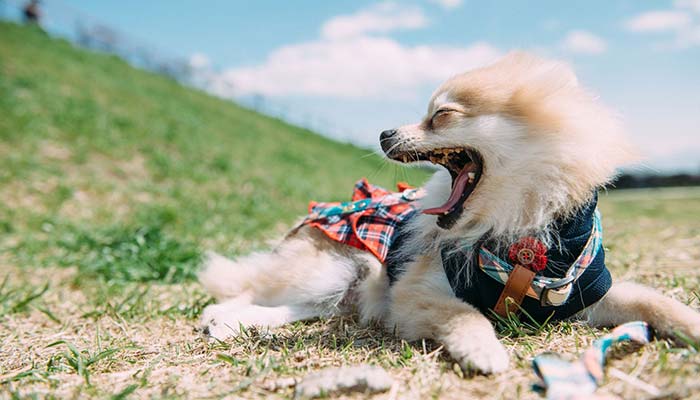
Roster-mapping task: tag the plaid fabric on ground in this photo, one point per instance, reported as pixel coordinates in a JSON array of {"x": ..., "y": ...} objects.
[
  {"x": 369, "y": 221},
  {"x": 564, "y": 380}
]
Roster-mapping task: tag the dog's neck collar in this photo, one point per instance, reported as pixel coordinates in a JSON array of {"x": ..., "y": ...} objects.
[{"x": 579, "y": 239}]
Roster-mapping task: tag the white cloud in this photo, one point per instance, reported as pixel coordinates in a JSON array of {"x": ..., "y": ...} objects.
[
  {"x": 380, "y": 18},
  {"x": 683, "y": 22},
  {"x": 658, "y": 21},
  {"x": 199, "y": 61},
  {"x": 448, "y": 4},
  {"x": 352, "y": 59},
  {"x": 693, "y": 5},
  {"x": 355, "y": 67},
  {"x": 584, "y": 42}
]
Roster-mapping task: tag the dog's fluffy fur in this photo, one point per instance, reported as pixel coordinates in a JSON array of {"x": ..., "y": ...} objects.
[{"x": 546, "y": 145}]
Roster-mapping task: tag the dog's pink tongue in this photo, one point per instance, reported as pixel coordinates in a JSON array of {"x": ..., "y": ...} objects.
[{"x": 458, "y": 188}]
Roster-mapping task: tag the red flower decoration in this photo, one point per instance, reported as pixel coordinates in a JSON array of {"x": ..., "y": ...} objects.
[{"x": 530, "y": 253}]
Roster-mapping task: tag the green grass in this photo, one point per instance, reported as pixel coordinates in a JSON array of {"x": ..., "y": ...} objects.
[
  {"x": 13, "y": 300},
  {"x": 113, "y": 181}
]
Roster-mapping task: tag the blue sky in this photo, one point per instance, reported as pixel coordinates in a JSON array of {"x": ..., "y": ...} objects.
[{"x": 352, "y": 69}]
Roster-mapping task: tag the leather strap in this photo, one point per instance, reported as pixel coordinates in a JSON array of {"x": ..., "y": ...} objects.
[{"x": 515, "y": 289}]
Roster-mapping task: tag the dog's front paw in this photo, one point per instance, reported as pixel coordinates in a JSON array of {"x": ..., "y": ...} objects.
[
  {"x": 480, "y": 354},
  {"x": 217, "y": 322}
]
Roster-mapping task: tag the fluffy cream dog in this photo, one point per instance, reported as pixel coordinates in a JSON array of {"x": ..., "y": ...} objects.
[{"x": 524, "y": 148}]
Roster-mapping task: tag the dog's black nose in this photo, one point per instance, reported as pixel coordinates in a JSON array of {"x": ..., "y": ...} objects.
[
  {"x": 387, "y": 134},
  {"x": 387, "y": 139}
]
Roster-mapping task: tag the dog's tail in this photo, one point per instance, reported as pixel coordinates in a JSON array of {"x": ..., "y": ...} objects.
[
  {"x": 306, "y": 269},
  {"x": 224, "y": 278}
]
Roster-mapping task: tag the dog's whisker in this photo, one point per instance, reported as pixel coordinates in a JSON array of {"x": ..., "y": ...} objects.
[
  {"x": 395, "y": 145},
  {"x": 380, "y": 169},
  {"x": 373, "y": 153},
  {"x": 404, "y": 173}
]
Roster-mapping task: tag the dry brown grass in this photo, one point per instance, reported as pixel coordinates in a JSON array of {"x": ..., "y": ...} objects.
[{"x": 157, "y": 353}]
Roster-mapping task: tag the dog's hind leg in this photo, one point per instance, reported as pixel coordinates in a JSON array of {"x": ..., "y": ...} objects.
[
  {"x": 628, "y": 301},
  {"x": 306, "y": 276},
  {"x": 220, "y": 321}
]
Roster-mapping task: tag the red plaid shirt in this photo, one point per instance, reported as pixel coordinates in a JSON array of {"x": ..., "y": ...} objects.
[{"x": 372, "y": 228}]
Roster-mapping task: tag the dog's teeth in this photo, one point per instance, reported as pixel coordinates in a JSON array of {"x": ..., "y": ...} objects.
[{"x": 471, "y": 176}]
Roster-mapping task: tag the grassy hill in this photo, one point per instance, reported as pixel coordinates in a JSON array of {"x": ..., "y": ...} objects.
[{"x": 92, "y": 150}]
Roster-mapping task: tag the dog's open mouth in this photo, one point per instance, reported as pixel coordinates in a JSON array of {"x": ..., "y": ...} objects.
[{"x": 465, "y": 166}]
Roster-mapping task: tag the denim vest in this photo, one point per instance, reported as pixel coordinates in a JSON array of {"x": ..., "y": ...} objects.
[{"x": 482, "y": 291}]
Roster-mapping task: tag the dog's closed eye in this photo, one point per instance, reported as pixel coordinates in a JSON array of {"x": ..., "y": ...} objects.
[{"x": 441, "y": 116}]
